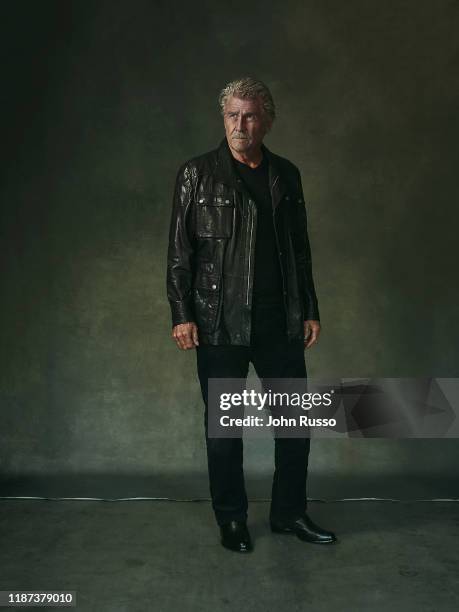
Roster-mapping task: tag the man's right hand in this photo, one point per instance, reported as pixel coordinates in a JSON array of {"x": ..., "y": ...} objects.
[{"x": 185, "y": 335}]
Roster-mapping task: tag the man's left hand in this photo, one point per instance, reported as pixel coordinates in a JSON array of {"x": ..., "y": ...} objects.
[{"x": 311, "y": 332}]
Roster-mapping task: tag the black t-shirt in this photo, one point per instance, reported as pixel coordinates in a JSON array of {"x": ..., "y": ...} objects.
[{"x": 267, "y": 282}]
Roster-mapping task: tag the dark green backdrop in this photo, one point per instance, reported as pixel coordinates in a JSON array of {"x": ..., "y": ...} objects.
[{"x": 101, "y": 103}]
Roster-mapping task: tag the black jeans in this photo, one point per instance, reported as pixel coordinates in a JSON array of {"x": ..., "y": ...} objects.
[{"x": 273, "y": 357}]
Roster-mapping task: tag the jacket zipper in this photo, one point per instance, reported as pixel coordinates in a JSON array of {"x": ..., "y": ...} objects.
[
  {"x": 280, "y": 261},
  {"x": 278, "y": 253},
  {"x": 250, "y": 258}
]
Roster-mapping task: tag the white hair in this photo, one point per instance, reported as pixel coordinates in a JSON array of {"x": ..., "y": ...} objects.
[{"x": 248, "y": 88}]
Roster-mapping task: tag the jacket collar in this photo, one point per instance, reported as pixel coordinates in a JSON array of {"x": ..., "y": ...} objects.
[{"x": 225, "y": 172}]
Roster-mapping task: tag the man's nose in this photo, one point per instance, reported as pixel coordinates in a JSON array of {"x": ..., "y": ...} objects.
[{"x": 240, "y": 123}]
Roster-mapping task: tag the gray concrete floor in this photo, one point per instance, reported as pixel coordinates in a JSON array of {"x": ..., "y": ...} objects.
[{"x": 136, "y": 556}]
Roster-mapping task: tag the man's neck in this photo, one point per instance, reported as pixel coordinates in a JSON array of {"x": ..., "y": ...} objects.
[{"x": 252, "y": 158}]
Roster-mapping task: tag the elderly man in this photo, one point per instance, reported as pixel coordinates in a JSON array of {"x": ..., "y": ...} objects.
[{"x": 240, "y": 288}]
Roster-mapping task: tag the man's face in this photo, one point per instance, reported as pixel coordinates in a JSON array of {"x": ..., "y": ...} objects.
[{"x": 245, "y": 124}]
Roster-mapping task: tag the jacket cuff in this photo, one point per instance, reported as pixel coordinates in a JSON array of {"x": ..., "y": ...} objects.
[
  {"x": 311, "y": 310},
  {"x": 182, "y": 312}
]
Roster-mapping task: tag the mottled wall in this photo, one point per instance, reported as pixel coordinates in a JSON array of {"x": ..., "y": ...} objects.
[{"x": 102, "y": 101}]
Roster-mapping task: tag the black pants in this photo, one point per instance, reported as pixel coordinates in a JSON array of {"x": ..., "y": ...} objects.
[{"x": 273, "y": 357}]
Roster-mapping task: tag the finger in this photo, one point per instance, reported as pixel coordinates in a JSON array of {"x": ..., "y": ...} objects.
[
  {"x": 175, "y": 338},
  {"x": 178, "y": 342},
  {"x": 188, "y": 339},
  {"x": 312, "y": 338},
  {"x": 180, "y": 337},
  {"x": 189, "y": 342},
  {"x": 194, "y": 332}
]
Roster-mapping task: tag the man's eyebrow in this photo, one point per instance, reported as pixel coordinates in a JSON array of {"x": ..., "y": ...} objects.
[{"x": 235, "y": 112}]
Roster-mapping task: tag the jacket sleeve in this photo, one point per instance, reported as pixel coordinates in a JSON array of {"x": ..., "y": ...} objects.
[
  {"x": 181, "y": 250},
  {"x": 303, "y": 258}
]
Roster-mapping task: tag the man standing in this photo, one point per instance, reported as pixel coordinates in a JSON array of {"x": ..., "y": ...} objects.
[{"x": 240, "y": 288}]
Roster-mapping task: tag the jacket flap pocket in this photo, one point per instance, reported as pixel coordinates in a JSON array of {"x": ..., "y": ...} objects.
[
  {"x": 210, "y": 282},
  {"x": 212, "y": 199}
]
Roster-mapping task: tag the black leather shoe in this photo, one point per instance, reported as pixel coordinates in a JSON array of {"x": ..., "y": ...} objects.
[
  {"x": 236, "y": 536},
  {"x": 305, "y": 529}
]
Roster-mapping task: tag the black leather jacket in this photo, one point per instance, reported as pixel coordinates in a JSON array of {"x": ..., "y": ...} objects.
[{"x": 212, "y": 247}]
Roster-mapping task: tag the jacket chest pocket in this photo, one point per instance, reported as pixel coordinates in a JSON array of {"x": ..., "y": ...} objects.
[{"x": 214, "y": 216}]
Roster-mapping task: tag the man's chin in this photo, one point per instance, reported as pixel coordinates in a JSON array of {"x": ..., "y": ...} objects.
[{"x": 240, "y": 144}]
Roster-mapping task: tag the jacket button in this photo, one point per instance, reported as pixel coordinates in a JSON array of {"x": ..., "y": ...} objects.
[
  {"x": 287, "y": 197},
  {"x": 214, "y": 286},
  {"x": 280, "y": 252},
  {"x": 201, "y": 200},
  {"x": 227, "y": 201}
]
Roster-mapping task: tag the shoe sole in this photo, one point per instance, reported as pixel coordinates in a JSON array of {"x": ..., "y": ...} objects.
[{"x": 287, "y": 530}]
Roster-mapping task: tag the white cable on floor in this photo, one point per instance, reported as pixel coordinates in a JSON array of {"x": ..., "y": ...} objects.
[{"x": 437, "y": 499}]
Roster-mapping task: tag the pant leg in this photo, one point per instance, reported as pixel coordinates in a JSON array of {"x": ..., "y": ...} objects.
[
  {"x": 274, "y": 357},
  {"x": 224, "y": 455}
]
